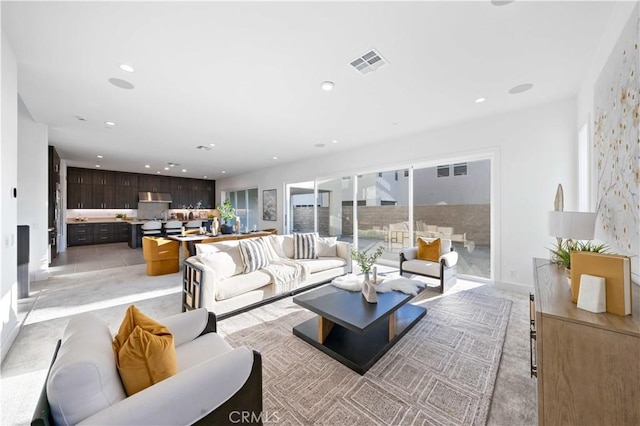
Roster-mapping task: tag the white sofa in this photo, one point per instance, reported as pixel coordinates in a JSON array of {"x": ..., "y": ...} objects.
[
  {"x": 214, "y": 381},
  {"x": 214, "y": 278}
]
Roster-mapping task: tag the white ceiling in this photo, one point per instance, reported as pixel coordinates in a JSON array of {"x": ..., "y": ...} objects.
[{"x": 246, "y": 76}]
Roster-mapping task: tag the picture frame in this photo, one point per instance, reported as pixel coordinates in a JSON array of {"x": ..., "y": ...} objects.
[{"x": 269, "y": 205}]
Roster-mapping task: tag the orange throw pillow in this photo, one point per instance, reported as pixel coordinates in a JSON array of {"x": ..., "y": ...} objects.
[
  {"x": 144, "y": 350},
  {"x": 429, "y": 250}
]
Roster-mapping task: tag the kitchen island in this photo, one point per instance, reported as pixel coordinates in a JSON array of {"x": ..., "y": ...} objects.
[{"x": 106, "y": 230}]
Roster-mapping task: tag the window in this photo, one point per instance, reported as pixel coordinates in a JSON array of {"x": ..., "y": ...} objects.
[
  {"x": 443, "y": 171},
  {"x": 246, "y": 204},
  {"x": 460, "y": 169}
]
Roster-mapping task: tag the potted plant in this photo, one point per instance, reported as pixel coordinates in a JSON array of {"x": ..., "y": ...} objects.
[
  {"x": 119, "y": 216},
  {"x": 562, "y": 251},
  {"x": 227, "y": 214},
  {"x": 366, "y": 262}
]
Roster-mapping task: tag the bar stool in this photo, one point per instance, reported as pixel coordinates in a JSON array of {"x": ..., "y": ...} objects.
[{"x": 152, "y": 227}]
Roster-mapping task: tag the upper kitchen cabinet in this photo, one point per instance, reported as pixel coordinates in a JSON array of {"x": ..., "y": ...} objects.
[
  {"x": 153, "y": 183},
  {"x": 103, "y": 178},
  {"x": 129, "y": 180},
  {"x": 79, "y": 196},
  {"x": 79, "y": 176}
]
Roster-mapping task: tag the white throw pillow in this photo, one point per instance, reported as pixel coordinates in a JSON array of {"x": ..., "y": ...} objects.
[
  {"x": 223, "y": 257},
  {"x": 327, "y": 246}
]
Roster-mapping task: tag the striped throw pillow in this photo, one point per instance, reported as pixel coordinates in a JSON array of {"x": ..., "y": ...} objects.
[
  {"x": 254, "y": 254},
  {"x": 305, "y": 246}
]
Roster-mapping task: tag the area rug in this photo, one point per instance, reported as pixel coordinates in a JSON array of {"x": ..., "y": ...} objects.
[{"x": 442, "y": 372}]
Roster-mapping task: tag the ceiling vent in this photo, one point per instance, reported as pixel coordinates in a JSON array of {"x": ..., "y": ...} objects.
[
  {"x": 203, "y": 148},
  {"x": 370, "y": 61}
]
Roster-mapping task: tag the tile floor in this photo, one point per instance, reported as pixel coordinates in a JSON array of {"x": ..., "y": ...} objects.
[{"x": 95, "y": 257}]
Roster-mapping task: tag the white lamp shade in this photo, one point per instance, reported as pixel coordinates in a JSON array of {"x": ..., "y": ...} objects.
[{"x": 572, "y": 225}]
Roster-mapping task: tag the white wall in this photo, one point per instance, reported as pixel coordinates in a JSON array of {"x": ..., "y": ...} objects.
[
  {"x": 614, "y": 27},
  {"x": 33, "y": 194},
  {"x": 532, "y": 149},
  {"x": 8, "y": 204}
]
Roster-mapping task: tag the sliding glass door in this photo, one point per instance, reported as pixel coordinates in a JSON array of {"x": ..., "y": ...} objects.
[
  {"x": 393, "y": 208},
  {"x": 453, "y": 201},
  {"x": 383, "y": 212}
]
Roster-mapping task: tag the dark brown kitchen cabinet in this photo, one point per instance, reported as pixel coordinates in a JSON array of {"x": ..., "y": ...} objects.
[
  {"x": 103, "y": 197},
  {"x": 126, "y": 197},
  {"x": 79, "y": 196},
  {"x": 79, "y": 234},
  {"x": 79, "y": 176},
  {"x": 128, "y": 180},
  {"x": 151, "y": 183},
  {"x": 103, "y": 178},
  {"x": 121, "y": 232},
  {"x": 103, "y": 233},
  {"x": 101, "y": 189}
]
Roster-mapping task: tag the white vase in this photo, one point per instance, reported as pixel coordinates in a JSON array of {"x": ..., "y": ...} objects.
[{"x": 369, "y": 290}]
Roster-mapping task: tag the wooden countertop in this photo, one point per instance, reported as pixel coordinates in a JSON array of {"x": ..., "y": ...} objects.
[{"x": 554, "y": 300}]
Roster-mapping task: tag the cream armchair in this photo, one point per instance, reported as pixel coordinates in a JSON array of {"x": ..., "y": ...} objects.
[
  {"x": 214, "y": 381},
  {"x": 444, "y": 270}
]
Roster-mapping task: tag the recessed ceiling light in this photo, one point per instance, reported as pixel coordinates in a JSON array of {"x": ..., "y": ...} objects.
[
  {"x": 327, "y": 85},
  {"x": 319, "y": 145},
  {"x": 166, "y": 168},
  {"x": 123, "y": 84},
  {"x": 184, "y": 170},
  {"x": 275, "y": 158},
  {"x": 158, "y": 172},
  {"x": 334, "y": 141},
  {"x": 212, "y": 144},
  {"x": 480, "y": 100},
  {"x": 223, "y": 172},
  {"x": 520, "y": 88},
  {"x": 147, "y": 166},
  {"x": 99, "y": 156},
  {"x": 127, "y": 68},
  {"x": 98, "y": 165},
  {"x": 204, "y": 177},
  {"x": 110, "y": 123},
  {"x": 395, "y": 123}
]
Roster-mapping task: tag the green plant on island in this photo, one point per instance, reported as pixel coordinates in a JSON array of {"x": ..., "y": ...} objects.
[
  {"x": 364, "y": 261},
  {"x": 562, "y": 251},
  {"x": 119, "y": 215},
  {"x": 226, "y": 210}
]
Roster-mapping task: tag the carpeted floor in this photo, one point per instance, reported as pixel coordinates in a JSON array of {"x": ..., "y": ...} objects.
[{"x": 442, "y": 372}]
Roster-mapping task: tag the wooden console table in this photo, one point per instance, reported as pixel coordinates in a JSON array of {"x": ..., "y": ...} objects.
[{"x": 588, "y": 365}]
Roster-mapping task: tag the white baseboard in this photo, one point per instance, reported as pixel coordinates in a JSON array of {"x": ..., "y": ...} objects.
[
  {"x": 514, "y": 287},
  {"x": 6, "y": 345}
]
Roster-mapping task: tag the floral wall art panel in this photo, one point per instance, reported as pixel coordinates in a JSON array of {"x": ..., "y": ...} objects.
[{"x": 617, "y": 146}]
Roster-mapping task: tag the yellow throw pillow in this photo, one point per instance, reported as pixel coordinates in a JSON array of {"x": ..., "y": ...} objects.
[
  {"x": 144, "y": 350},
  {"x": 429, "y": 250}
]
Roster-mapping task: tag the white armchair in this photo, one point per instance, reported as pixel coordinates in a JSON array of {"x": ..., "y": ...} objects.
[
  {"x": 213, "y": 381},
  {"x": 443, "y": 270}
]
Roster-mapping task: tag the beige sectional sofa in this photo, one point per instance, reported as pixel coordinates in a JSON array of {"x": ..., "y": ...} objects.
[{"x": 216, "y": 278}]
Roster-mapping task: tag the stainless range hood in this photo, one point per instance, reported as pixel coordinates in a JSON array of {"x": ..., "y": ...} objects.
[{"x": 154, "y": 197}]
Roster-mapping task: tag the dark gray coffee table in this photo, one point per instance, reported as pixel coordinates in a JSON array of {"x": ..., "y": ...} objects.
[{"x": 352, "y": 331}]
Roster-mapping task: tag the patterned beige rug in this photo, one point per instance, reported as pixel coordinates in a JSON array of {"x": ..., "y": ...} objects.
[{"x": 442, "y": 372}]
